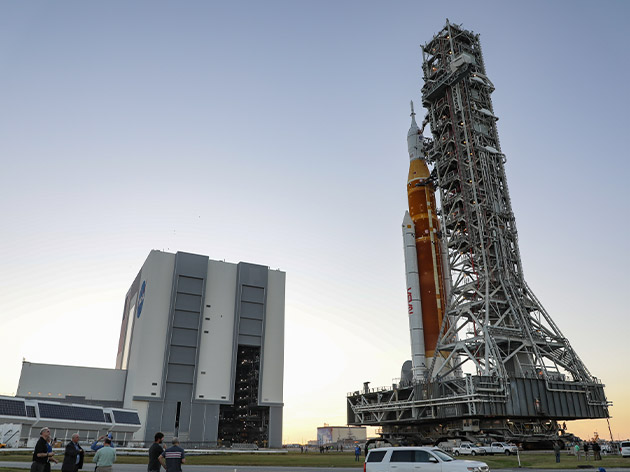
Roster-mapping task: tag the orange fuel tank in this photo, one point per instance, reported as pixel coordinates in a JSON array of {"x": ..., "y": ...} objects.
[{"x": 422, "y": 209}]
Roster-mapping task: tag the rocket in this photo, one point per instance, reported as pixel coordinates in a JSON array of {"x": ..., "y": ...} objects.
[{"x": 423, "y": 257}]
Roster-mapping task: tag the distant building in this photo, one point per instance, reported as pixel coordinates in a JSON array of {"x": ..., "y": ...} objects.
[
  {"x": 200, "y": 354},
  {"x": 340, "y": 434}
]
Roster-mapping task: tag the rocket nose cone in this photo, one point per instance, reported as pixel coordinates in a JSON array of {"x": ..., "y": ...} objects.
[
  {"x": 407, "y": 219},
  {"x": 413, "y": 129},
  {"x": 414, "y": 138}
]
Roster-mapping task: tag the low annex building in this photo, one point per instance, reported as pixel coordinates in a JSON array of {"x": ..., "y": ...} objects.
[
  {"x": 327, "y": 435},
  {"x": 22, "y": 418},
  {"x": 200, "y": 355}
]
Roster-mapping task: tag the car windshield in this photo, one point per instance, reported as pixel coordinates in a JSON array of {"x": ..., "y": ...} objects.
[{"x": 442, "y": 455}]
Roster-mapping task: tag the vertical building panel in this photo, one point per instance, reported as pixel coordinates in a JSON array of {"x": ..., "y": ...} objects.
[
  {"x": 132, "y": 295},
  {"x": 197, "y": 421},
  {"x": 211, "y": 425},
  {"x": 152, "y": 310},
  {"x": 188, "y": 297},
  {"x": 273, "y": 344},
  {"x": 143, "y": 410},
  {"x": 275, "y": 426},
  {"x": 214, "y": 373}
]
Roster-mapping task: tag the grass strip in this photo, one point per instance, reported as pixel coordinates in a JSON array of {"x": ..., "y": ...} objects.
[{"x": 346, "y": 459}]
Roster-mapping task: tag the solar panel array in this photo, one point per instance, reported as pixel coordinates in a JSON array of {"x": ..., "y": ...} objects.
[
  {"x": 58, "y": 411},
  {"x": 127, "y": 417},
  {"x": 12, "y": 407},
  {"x": 69, "y": 412}
]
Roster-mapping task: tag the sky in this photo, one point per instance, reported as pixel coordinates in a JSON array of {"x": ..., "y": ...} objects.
[{"x": 275, "y": 133}]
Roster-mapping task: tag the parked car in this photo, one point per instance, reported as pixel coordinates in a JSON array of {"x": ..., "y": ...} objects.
[
  {"x": 501, "y": 448},
  {"x": 410, "y": 459},
  {"x": 467, "y": 449},
  {"x": 625, "y": 448}
]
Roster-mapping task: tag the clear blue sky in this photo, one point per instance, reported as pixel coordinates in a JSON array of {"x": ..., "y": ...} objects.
[{"x": 274, "y": 133}]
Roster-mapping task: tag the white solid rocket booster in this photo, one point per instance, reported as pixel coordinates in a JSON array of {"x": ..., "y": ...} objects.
[{"x": 416, "y": 330}]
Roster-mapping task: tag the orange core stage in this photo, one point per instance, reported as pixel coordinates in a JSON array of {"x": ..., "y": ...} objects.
[{"x": 422, "y": 208}]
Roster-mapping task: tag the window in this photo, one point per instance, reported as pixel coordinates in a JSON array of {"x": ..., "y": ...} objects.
[
  {"x": 127, "y": 417},
  {"x": 177, "y": 413},
  {"x": 422, "y": 456},
  {"x": 407, "y": 455},
  {"x": 69, "y": 412},
  {"x": 12, "y": 407},
  {"x": 442, "y": 455},
  {"x": 375, "y": 456}
]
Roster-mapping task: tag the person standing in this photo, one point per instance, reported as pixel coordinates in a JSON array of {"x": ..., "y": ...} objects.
[
  {"x": 96, "y": 446},
  {"x": 155, "y": 451},
  {"x": 173, "y": 457},
  {"x": 597, "y": 451},
  {"x": 73, "y": 456},
  {"x": 41, "y": 455},
  {"x": 556, "y": 449},
  {"x": 586, "y": 450},
  {"x": 357, "y": 453},
  {"x": 105, "y": 456},
  {"x": 577, "y": 450},
  {"x": 49, "y": 447}
]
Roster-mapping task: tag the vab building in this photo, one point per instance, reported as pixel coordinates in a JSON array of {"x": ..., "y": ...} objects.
[{"x": 200, "y": 357}]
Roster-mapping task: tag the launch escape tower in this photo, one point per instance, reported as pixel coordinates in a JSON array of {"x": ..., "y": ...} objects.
[{"x": 501, "y": 367}]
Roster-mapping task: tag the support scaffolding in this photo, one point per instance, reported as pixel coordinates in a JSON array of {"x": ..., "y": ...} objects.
[{"x": 521, "y": 373}]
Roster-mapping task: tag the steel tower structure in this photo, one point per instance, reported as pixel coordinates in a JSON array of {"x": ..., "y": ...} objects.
[{"x": 504, "y": 366}]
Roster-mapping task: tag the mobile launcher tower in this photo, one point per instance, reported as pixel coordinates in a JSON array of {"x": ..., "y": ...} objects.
[{"x": 487, "y": 359}]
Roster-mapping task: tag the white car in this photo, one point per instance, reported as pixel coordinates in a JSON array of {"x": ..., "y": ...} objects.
[
  {"x": 468, "y": 449},
  {"x": 501, "y": 448},
  {"x": 625, "y": 448},
  {"x": 412, "y": 459}
]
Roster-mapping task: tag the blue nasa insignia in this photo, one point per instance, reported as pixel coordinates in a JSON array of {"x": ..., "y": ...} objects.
[{"x": 141, "y": 298}]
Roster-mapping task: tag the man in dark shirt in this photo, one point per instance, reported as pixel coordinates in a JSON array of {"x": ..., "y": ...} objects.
[
  {"x": 41, "y": 454},
  {"x": 173, "y": 458},
  {"x": 155, "y": 451}
]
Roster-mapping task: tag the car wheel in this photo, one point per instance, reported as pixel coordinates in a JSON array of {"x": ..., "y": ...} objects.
[
  {"x": 457, "y": 453},
  {"x": 507, "y": 453},
  {"x": 474, "y": 453}
]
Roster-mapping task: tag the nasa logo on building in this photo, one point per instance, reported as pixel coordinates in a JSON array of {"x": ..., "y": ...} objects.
[{"x": 141, "y": 298}]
